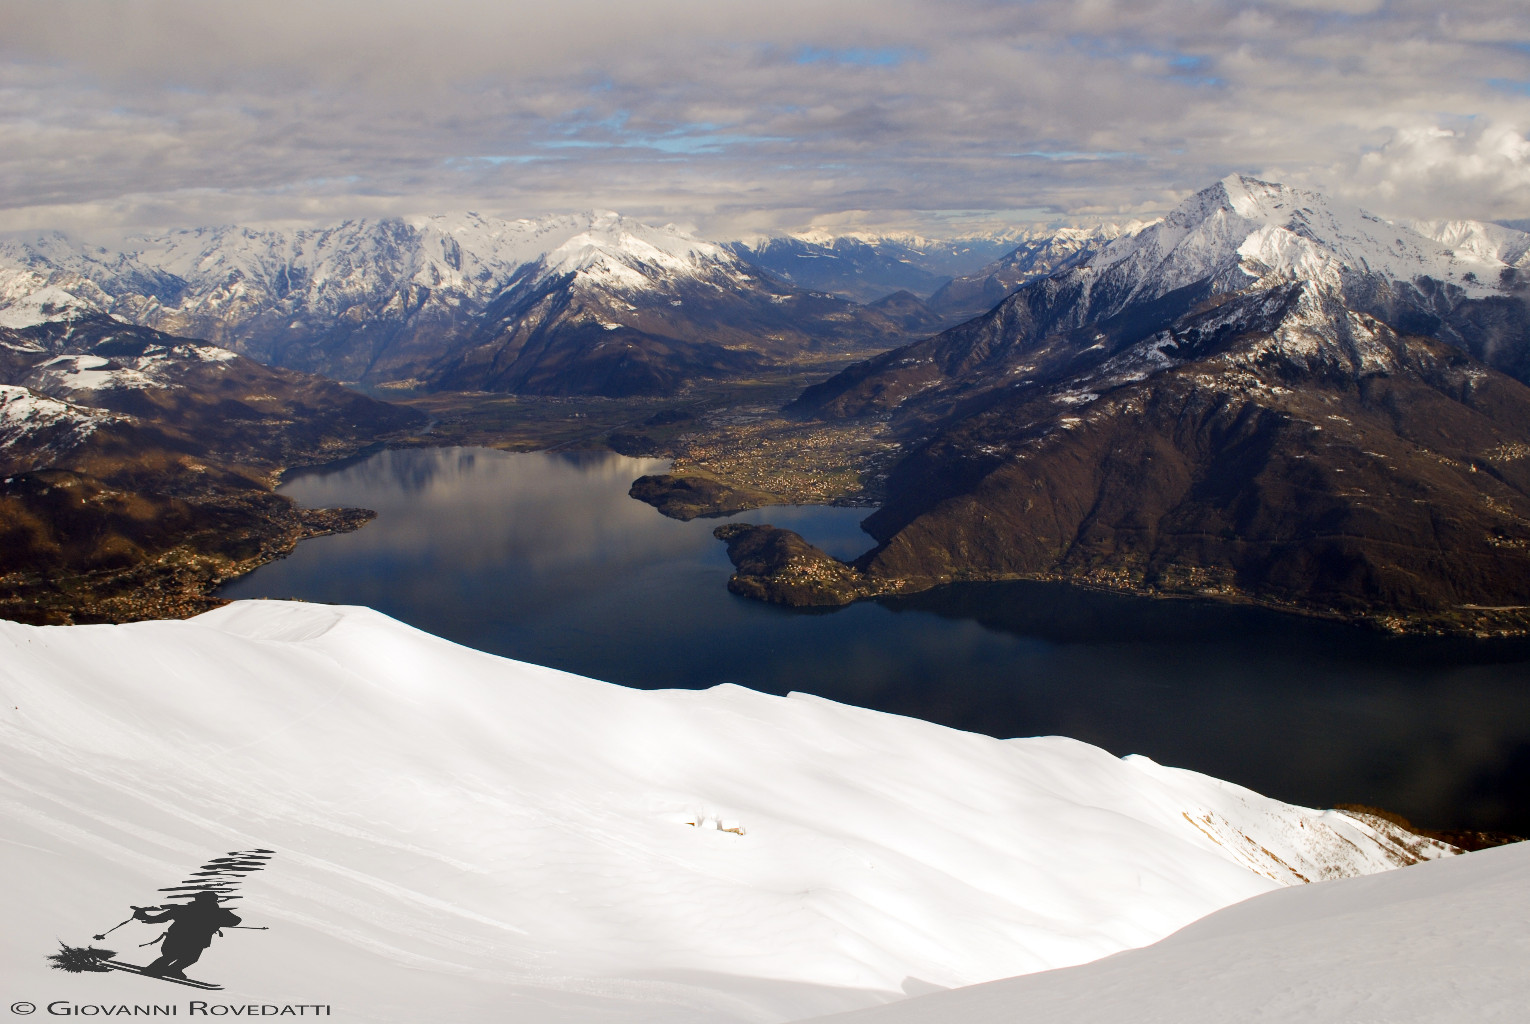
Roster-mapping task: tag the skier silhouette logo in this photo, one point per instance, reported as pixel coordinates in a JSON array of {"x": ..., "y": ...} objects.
[
  {"x": 192, "y": 928},
  {"x": 191, "y": 931}
]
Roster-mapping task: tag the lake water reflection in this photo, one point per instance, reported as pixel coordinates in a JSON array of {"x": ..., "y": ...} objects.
[{"x": 544, "y": 558}]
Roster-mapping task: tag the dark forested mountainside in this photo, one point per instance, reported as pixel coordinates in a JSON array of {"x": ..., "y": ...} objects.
[
  {"x": 138, "y": 468},
  {"x": 1250, "y": 400}
]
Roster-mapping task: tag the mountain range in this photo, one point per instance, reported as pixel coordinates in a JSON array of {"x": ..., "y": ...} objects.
[
  {"x": 1039, "y": 254},
  {"x": 1267, "y": 395},
  {"x": 592, "y": 303},
  {"x": 581, "y": 304},
  {"x": 866, "y": 268}
]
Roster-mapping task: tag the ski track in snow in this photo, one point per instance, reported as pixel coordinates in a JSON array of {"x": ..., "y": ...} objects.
[{"x": 463, "y": 837}]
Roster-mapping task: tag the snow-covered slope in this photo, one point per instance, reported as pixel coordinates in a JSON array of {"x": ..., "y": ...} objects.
[
  {"x": 66, "y": 374},
  {"x": 35, "y": 429},
  {"x": 47, "y": 303},
  {"x": 1445, "y": 942},
  {"x": 1492, "y": 243},
  {"x": 614, "y": 252},
  {"x": 461, "y": 837},
  {"x": 1243, "y": 229}
]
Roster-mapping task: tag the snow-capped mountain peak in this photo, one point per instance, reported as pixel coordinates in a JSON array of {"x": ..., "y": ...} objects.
[
  {"x": 49, "y": 302},
  {"x": 1491, "y": 243},
  {"x": 1244, "y": 228},
  {"x": 618, "y": 252}
]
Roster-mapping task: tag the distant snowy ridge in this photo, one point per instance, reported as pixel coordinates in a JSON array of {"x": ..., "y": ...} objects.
[
  {"x": 866, "y": 267},
  {"x": 612, "y": 251},
  {"x": 1039, "y": 254},
  {"x": 180, "y": 279},
  {"x": 356, "y": 268},
  {"x": 47, "y": 303},
  {"x": 1329, "y": 281},
  {"x": 1243, "y": 230},
  {"x": 537, "y": 845},
  {"x": 487, "y": 302},
  {"x": 904, "y": 239},
  {"x": 1490, "y": 243}
]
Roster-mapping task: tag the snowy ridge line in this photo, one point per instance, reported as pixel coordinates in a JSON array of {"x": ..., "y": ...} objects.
[
  {"x": 234, "y": 272},
  {"x": 522, "y": 838},
  {"x": 1243, "y": 230},
  {"x": 327, "y": 271}
]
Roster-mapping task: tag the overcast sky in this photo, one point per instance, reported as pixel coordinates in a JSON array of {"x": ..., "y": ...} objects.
[{"x": 735, "y": 116}]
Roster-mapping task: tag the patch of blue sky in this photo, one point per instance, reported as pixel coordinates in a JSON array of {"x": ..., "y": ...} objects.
[
  {"x": 579, "y": 123},
  {"x": 1074, "y": 155},
  {"x": 1191, "y": 68},
  {"x": 1510, "y": 85},
  {"x": 705, "y": 143},
  {"x": 860, "y": 56},
  {"x": 691, "y": 140},
  {"x": 320, "y": 182},
  {"x": 493, "y": 160}
]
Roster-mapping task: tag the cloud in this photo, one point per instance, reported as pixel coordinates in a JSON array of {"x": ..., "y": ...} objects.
[
  {"x": 736, "y": 115},
  {"x": 1483, "y": 169}
]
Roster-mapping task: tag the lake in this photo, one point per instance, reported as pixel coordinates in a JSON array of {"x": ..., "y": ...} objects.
[{"x": 544, "y": 558}]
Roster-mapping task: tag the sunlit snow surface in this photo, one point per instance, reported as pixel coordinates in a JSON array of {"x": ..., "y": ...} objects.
[
  {"x": 47, "y": 302},
  {"x": 1243, "y": 229},
  {"x": 1442, "y": 942},
  {"x": 462, "y": 837}
]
